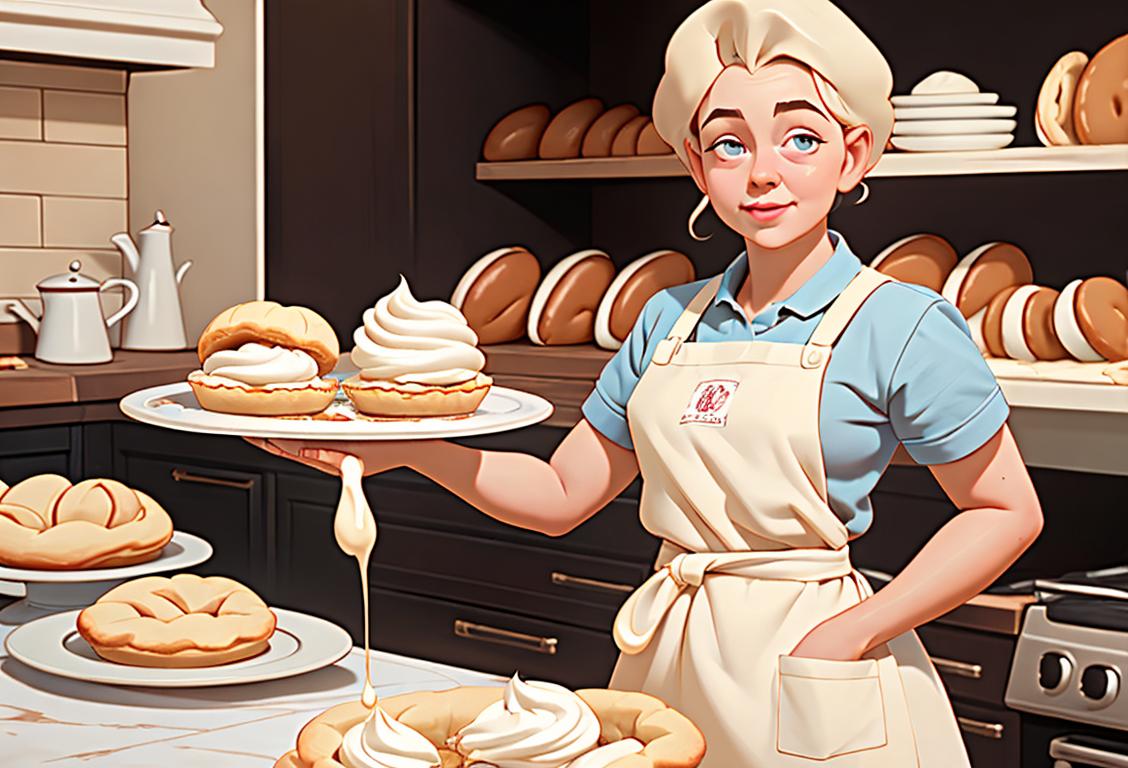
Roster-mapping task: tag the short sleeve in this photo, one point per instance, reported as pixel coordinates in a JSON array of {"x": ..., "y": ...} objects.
[
  {"x": 944, "y": 402},
  {"x": 606, "y": 407}
]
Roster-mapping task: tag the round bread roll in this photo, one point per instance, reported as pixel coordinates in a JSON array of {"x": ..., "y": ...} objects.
[
  {"x": 650, "y": 143},
  {"x": 269, "y": 322},
  {"x": 1027, "y": 325},
  {"x": 597, "y": 140},
  {"x": 626, "y": 140},
  {"x": 183, "y": 621},
  {"x": 563, "y": 308},
  {"x": 922, "y": 259},
  {"x": 495, "y": 292},
  {"x": 669, "y": 739},
  {"x": 1100, "y": 106},
  {"x": 47, "y": 523},
  {"x": 517, "y": 135},
  {"x": 1053, "y": 116},
  {"x": 993, "y": 322},
  {"x": 632, "y": 288},
  {"x": 1091, "y": 319},
  {"x": 565, "y": 133}
]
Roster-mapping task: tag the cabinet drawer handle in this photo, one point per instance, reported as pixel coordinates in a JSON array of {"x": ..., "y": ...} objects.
[
  {"x": 960, "y": 668},
  {"x": 472, "y": 631},
  {"x": 180, "y": 476},
  {"x": 980, "y": 728},
  {"x": 1062, "y": 748},
  {"x": 567, "y": 580}
]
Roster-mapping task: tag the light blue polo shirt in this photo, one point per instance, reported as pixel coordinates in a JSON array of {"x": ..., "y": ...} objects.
[{"x": 904, "y": 371}]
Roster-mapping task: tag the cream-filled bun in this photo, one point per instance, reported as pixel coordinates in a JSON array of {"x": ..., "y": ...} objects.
[
  {"x": 979, "y": 276},
  {"x": 261, "y": 358},
  {"x": 495, "y": 292},
  {"x": 632, "y": 288},
  {"x": 919, "y": 259},
  {"x": 517, "y": 135},
  {"x": 564, "y": 135},
  {"x": 563, "y": 308},
  {"x": 1091, "y": 319},
  {"x": 1053, "y": 115},
  {"x": 1027, "y": 327}
]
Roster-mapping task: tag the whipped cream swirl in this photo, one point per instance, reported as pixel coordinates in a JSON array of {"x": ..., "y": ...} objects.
[
  {"x": 406, "y": 340},
  {"x": 258, "y": 365},
  {"x": 384, "y": 742},
  {"x": 535, "y": 725}
]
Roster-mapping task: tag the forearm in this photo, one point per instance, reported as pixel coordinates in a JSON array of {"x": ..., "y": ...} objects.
[
  {"x": 515, "y": 488},
  {"x": 958, "y": 562}
]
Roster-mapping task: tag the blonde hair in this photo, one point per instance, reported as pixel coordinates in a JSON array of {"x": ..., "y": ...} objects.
[{"x": 850, "y": 74}]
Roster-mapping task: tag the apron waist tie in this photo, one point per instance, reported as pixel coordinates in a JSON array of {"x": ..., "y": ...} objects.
[{"x": 642, "y": 614}]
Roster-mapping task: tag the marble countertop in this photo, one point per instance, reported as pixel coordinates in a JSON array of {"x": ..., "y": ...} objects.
[{"x": 62, "y": 723}]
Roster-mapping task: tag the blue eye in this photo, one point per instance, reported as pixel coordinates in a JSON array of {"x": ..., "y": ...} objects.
[
  {"x": 805, "y": 142},
  {"x": 729, "y": 148}
]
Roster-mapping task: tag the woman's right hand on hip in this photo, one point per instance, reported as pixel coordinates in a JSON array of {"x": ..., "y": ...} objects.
[{"x": 326, "y": 455}]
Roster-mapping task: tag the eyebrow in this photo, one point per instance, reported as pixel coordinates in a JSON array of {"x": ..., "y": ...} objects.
[
  {"x": 720, "y": 112},
  {"x": 787, "y": 106}
]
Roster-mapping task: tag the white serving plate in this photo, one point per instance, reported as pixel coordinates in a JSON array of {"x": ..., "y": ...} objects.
[
  {"x": 952, "y": 127},
  {"x": 943, "y": 99},
  {"x": 173, "y": 406},
  {"x": 954, "y": 113},
  {"x": 183, "y": 551},
  {"x": 952, "y": 143},
  {"x": 300, "y": 644}
]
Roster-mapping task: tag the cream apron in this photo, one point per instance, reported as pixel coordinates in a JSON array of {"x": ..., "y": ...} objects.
[{"x": 727, "y": 440}]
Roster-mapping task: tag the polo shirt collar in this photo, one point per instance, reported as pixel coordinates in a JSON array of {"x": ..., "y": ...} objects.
[{"x": 814, "y": 295}]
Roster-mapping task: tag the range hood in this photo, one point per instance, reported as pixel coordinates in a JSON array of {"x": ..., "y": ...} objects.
[{"x": 172, "y": 33}]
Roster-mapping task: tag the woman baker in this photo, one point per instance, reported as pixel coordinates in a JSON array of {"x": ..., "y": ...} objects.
[{"x": 761, "y": 406}]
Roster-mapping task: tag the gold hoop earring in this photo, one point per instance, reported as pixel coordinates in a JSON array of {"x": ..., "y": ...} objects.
[
  {"x": 693, "y": 219},
  {"x": 865, "y": 195}
]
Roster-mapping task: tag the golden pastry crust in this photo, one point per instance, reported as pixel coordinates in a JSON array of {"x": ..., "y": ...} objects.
[
  {"x": 183, "y": 621},
  {"x": 268, "y": 322},
  {"x": 669, "y": 739},
  {"x": 216, "y": 394},
  {"x": 47, "y": 523},
  {"x": 393, "y": 400}
]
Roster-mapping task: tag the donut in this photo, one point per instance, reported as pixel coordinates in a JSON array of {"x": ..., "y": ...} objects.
[
  {"x": 632, "y": 288},
  {"x": 517, "y": 135},
  {"x": 1100, "y": 105},
  {"x": 47, "y": 523},
  {"x": 495, "y": 292},
  {"x": 564, "y": 135},
  {"x": 597, "y": 140},
  {"x": 183, "y": 621},
  {"x": 1091, "y": 319},
  {"x": 564, "y": 306},
  {"x": 922, "y": 259},
  {"x": 1053, "y": 116}
]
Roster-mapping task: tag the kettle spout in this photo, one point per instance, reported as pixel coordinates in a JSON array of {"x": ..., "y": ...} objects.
[
  {"x": 23, "y": 312},
  {"x": 125, "y": 244},
  {"x": 181, "y": 270}
]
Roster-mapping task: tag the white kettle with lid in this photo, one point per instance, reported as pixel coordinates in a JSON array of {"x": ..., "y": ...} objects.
[
  {"x": 157, "y": 323},
  {"x": 72, "y": 329}
]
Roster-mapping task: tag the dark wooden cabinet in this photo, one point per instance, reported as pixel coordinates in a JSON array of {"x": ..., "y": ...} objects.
[{"x": 39, "y": 450}]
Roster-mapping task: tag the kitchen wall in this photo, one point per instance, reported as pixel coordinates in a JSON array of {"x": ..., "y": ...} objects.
[{"x": 63, "y": 179}]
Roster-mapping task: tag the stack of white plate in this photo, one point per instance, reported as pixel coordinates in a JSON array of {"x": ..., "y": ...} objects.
[{"x": 946, "y": 111}]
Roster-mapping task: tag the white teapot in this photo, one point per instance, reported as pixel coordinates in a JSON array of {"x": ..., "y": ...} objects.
[{"x": 73, "y": 329}]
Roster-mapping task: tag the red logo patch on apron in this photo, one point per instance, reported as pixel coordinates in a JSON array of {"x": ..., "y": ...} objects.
[{"x": 710, "y": 403}]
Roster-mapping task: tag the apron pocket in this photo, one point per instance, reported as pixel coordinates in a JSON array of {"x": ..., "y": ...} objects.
[{"x": 829, "y": 708}]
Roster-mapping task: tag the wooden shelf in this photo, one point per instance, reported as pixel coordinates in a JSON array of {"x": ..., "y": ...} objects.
[
  {"x": 1112, "y": 157},
  {"x": 1079, "y": 424}
]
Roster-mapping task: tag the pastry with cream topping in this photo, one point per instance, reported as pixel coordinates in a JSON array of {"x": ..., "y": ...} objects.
[
  {"x": 416, "y": 359},
  {"x": 264, "y": 359}
]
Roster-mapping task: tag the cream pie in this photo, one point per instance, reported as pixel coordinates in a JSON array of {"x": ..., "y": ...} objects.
[
  {"x": 265, "y": 359},
  {"x": 416, "y": 359},
  {"x": 183, "y": 621},
  {"x": 524, "y": 725},
  {"x": 48, "y": 523}
]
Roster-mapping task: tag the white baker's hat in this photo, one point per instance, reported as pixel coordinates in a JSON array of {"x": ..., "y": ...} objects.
[{"x": 752, "y": 33}]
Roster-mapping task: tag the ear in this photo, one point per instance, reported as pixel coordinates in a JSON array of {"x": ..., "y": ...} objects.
[
  {"x": 859, "y": 145},
  {"x": 696, "y": 166}
]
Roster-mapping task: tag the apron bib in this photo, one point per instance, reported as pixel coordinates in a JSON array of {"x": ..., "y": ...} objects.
[{"x": 727, "y": 440}]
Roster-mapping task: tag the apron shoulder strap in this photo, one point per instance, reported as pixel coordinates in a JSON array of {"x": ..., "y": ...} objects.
[
  {"x": 686, "y": 321},
  {"x": 843, "y": 309}
]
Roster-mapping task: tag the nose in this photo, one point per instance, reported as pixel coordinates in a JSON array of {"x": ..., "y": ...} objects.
[{"x": 763, "y": 177}]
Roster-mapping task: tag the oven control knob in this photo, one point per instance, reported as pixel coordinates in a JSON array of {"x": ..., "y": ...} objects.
[
  {"x": 1054, "y": 671},
  {"x": 1100, "y": 684}
]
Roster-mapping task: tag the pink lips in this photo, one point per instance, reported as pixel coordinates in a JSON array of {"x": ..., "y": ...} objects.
[{"x": 766, "y": 211}]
